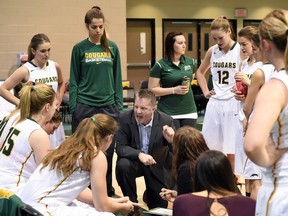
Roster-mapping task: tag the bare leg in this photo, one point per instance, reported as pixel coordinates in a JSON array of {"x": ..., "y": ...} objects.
[{"x": 255, "y": 185}]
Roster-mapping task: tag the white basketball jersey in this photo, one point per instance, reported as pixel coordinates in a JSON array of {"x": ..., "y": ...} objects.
[
  {"x": 248, "y": 70},
  {"x": 16, "y": 155},
  {"x": 279, "y": 132},
  {"x": 268, "y": 70},
  {"x": 223, "y": 69},
  {"x": 53, "y": 194},
  {"x": 46, "y": 187},
  {"x": 48, "y": 75},
  {"x": 4, "y": 123}
]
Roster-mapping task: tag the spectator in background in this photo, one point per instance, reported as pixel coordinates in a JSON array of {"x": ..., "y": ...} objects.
[
  {"x": 166, "y": 81},
  {"x": 95, "y": 79},
  {"x": 23, "y": 60}
]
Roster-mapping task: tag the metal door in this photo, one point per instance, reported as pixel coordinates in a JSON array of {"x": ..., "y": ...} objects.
[
  {"x": 197, "y": 34},
  {"x": 140, "y": 49},
  {"x": 206, "y": 41},
  {"x": 189, "y": 30}
]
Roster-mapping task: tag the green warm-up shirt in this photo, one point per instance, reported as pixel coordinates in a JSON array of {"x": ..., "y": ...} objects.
[
  {"x": 170, "y": 76},
  {"x": 95, "y": 76}
]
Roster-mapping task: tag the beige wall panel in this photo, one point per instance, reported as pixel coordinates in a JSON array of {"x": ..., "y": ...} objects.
[{"x": 208, "y": 9}]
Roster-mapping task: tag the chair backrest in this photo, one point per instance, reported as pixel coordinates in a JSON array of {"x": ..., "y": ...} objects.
[{"x": 11, "y": 204}]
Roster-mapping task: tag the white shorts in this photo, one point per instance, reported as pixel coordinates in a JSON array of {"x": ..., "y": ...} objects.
[
  {"x": 240, "y": 155},
  {"x": 251, "y": 170},
  {"x": 220, "y": 125},
  {"x": 275, "y": 203}
]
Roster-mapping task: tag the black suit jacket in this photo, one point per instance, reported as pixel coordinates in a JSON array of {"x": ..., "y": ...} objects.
[{"x": 128, "y": 143}]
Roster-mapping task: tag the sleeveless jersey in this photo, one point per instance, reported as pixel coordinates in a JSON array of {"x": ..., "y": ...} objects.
[
  {"x": 54, "y": 189},
  {"x": 16, "y": 156},
  {"x": 4, "y": 123},
  {"x": 49, "y": 192},
  {"x": 223, "y": 69},
  {"x": 251, "y": 170},
  {"x": 279, "y": 132},
  {"x": 248, "y": 70},
  {"x": 48, "y": 75},
  {"x": 272, "y": 195},
  {"x": 268, "y": 70}
]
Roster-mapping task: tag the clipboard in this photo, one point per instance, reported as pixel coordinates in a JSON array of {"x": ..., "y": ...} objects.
[{"x": 159, "y": 211}]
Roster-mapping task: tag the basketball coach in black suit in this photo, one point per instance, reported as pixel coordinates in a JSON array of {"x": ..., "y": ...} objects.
[{"x": 144, "y": 148}]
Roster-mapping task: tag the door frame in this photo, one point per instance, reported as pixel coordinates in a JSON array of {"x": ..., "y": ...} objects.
[
  {"x": 152, "y": 24},
  {"x": 254, "y": 22},
  {"x": 137, "y": 71},
  {"x": 198, "y": 21}
]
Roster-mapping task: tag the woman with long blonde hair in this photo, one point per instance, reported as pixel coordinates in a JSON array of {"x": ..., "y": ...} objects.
[
  {"x": 66, "y": 172},
  {"x": 24, "y": 142},
  {"x": 266, "y": 139}
]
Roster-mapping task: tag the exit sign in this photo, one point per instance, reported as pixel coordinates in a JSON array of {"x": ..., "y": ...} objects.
[{"x": 240, "y": 12}]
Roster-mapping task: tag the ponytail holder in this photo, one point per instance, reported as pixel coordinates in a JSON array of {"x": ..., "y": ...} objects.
[
  {"x": 93, "y": 120},
  {"x": 32, "y": 88}
]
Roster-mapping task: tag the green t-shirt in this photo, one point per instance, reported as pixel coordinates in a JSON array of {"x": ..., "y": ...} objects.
[
  {"x": 170, "y": 76},
  {"x": 95, "y": 76}
]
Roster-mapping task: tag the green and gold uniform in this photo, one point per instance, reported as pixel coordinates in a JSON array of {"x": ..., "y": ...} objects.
[{"x": 95, "y": 76}]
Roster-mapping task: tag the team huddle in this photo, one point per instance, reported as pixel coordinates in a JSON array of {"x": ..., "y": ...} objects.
[{"x": 244, "y": 134}]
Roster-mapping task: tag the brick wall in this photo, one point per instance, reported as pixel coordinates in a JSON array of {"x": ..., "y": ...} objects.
[{"x": 62, "y": 21}]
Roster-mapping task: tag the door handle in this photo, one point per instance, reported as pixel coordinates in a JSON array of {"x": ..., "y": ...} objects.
[{"x": 139, "y": 64}]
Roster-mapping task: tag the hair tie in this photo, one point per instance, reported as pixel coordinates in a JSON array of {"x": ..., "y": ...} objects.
[
  {"x": 96, "y": 7},
  {"x": 32, "y": 88},
  {"x": 93, "y": 120},
  {"x": 223, "y": 17}
]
